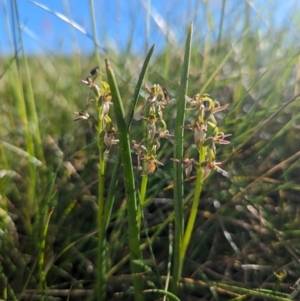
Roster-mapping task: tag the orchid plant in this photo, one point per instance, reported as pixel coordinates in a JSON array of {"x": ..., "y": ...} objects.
[{"x": 206, "y": 136}]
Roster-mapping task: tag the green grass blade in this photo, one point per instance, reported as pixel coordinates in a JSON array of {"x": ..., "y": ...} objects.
[
  {"x": 221, "y": 23},
  {"x": 138, "y": 87},
  {"x": 133, "y": 231},
  {"x": 178, "y": 153},
  {"x": 41, "y": 262},
  {"x": 163, "y": 292},
  {"x": 95, "y": 39},
  {"x": 29, "y": 96},
  {"x": 115, "y": 175}
]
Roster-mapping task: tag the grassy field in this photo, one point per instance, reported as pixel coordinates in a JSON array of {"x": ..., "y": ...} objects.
[{"x": 109, "y": 182}]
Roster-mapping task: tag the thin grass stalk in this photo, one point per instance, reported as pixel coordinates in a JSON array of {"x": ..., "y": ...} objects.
[
  {"x": 72, "y": 244},
  {"x": 36, "y": 207},
  {"x": 196, "y": 199},
  {"x": 66, "y": 213},
  {"x": 144, "y": 182},
  {"x": 163, "y": 292},
  {"x": 101, "y": 259},
  {"x": 155, "y": 268},
  {"x": 297, "y": 79},
  {"x": 147, "y": 23},
  {"x": 29, "y": 277},
  {"x": 133, "y": 230},
  {"x": 41, "y": 261},
  {"x": 142, "y": 197},
  {"x": 18, "y": 96},
  {"x": 138, "y": 87},
  {"x": 166, "y": 287},
  {"x": 32, "y": 113},
  {"x": 221, "y": 23},
  {"x": 264, "y": 294},
  {"x": 271, "y": 295},
  {"x": 95, "y": 39},
  {"x": 3, "y": 160},
  {"x": 4, "y": 164},
  {"x": 178, "y": 170}
]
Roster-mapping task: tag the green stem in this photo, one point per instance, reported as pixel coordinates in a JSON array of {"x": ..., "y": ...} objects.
[
  {"x": 17, "y": 91},
  {"x": 193, "y": 214},
  {"x": 178, "y": 169},
  {"x": 142, "y": 197},
  {"x": 42, "y": 283},
  {"x": 163, "y": 292},
  {"x": 101, "y": 259},
  {"x": 241, "y": 290}
]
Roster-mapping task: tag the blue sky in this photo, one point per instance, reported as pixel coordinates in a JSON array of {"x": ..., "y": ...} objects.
[{"x": 118, "y": 21}]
